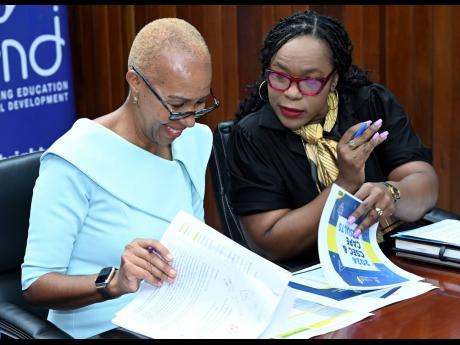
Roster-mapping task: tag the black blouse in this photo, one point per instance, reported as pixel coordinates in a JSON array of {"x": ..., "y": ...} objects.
[{"x": 268, "y": 166}]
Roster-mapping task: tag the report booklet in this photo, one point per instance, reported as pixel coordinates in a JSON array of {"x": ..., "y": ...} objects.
[{"x": 349, "y": 262}]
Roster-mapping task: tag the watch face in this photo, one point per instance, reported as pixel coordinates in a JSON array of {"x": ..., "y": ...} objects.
[
  {"x": 394, "y": 191},
  {"x": 104, "y": 275}
]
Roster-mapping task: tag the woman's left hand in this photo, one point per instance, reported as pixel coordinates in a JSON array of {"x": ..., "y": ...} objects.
[{"x": 377, "y": 203}]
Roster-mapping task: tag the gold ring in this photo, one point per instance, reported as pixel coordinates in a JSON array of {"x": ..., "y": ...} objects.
[
  {"x": 379, "y": 211},
  {"x": 351, "y": 144}
]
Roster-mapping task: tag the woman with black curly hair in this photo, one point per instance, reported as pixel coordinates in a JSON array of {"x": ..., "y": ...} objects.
[{"x": 296, "y": 134}]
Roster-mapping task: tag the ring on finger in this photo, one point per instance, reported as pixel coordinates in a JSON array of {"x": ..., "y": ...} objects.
[
  {"x": 351, "y": 144},
  {"x": 379, "y": 211}
]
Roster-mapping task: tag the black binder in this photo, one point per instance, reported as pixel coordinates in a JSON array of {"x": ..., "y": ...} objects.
[{"x": 437, "y": 253}]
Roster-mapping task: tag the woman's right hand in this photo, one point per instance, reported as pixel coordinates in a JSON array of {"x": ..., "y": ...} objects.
[
  {"x": 142, "y": 259},
  {"x": 352, "y": 154}
]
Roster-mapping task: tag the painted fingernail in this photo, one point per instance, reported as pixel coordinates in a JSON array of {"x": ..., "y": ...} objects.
[
  {"x": 375, "y": 136},
  {"x": 384, "y": 135},
  {"x": 368, "y": 122},
  {"x": 378, "y": 123},
  {"x": 351, "y": 220},
  {"x": 357, "y": 233}
]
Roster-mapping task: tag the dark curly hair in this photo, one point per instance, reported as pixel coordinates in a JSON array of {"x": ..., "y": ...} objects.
[{"x": 325, "y": 28}]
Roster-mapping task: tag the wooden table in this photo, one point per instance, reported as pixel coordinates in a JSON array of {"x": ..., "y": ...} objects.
[{"x": 433, "y": 315}]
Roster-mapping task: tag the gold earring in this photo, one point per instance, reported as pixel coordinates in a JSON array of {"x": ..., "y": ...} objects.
[
  {"x": 333, "y": 100},
  {"x": 135, "y": 100}
]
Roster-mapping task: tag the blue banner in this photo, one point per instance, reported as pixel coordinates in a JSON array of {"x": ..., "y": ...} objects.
[{"x": 36, "y": 90}]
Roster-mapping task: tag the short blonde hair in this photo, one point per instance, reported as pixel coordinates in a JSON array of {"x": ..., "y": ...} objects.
[{"x": 163, "y": 33}]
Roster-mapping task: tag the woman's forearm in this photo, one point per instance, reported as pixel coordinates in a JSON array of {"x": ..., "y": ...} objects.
[
  {"x": 419, "y": 191},
  {"x": 59, "y": 291}
]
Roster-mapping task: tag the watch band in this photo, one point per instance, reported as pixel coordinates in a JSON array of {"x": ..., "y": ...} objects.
[{"x": 104, "y": 293}]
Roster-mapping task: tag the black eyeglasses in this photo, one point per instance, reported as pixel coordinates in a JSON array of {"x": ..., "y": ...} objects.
[
  {"x": 307, "y": 86},
  {"x": 174, "y": 115}
]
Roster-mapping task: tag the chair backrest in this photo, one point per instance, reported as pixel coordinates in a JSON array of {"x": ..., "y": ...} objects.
[
  {"x": 230, "y": 223},
  {"x": 17, "y": 179}
]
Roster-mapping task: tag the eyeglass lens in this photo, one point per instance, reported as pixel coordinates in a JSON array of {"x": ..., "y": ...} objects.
[{"x": 207, "y": 106}]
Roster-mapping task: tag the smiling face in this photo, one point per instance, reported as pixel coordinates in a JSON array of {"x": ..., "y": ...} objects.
[
  {"x": 302, "y": 56},
  {"x": 183, "y": 81}
]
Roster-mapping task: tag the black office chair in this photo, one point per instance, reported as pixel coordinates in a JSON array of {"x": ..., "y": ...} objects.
[
  {"x": 230, "y": 223},
  {"x": 18, "y": 319}
]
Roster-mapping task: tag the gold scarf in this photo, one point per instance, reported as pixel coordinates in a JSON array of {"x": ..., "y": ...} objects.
[{"x": 320, "y": 151}]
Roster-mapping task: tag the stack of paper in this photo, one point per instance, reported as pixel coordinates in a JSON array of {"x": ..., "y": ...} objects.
[
  {"x": 314, "y": 307},
  {"x": 224, "y": 290},
  {"x": 437, "y": 243}
]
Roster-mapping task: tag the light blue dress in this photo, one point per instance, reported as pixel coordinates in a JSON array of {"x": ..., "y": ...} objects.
[{"x": 96, "y": 192}]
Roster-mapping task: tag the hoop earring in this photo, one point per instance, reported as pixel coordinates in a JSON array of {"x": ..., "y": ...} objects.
[
  {"x": 333, "y": 100},
  {"x": 260, "y": 86}
]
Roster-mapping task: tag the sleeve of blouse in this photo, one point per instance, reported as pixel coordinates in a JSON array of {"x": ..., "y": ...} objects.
[
  {"x": 255, "y": 184},
  {"x": 59, "y": 206},
  {"x": 403, "y": 145}
]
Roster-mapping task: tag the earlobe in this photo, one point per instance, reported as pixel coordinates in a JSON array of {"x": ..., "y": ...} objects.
[{"x": 133, "y": 81}]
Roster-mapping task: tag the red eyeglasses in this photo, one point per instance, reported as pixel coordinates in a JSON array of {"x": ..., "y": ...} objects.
[{"x": 307, "y": 86}]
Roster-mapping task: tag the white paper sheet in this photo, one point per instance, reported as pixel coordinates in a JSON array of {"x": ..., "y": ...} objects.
[
  {"x": 353, "y": 263},
  {"x": 222, "y": 290},
  {"x": 311, "y": 307},
  {"x": 313, "y": 285},
  {"x": 445, "y": 231},
  {"x": 300, "y": 317}
]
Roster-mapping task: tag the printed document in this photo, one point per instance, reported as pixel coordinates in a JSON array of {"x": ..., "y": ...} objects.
[
  {"x": 312, "y": 307},
  {"x": 349, "y": 262},
  {"x": 302, "y": 317},
  {"x": 313, "y": 284},
  {"x": 222, "y": 289}
]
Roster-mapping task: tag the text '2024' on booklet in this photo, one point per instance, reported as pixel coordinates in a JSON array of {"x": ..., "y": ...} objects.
[{"x": 224, "y": 290}]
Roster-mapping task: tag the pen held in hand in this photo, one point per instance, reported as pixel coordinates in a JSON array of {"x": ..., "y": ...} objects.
[
  {"x": 361, "y": 129},
  {"x": 152, "y": 250}
]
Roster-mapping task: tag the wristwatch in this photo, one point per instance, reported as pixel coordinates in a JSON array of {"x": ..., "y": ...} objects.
[
  {"x": 103, "y": 279},
  {"x": 395, "y": 193}
]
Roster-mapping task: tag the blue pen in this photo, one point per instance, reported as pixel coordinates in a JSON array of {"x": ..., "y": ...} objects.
[{"x": 361, "y": 129}]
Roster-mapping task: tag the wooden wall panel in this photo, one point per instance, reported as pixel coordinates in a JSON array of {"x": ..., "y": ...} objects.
[
  {"x": 364, "y": 24},
  {"x": 249, "y": 45},
  {"x": 412, "y": 49},
  {"x": 399, "y": 59},
  {"x": 443, "y": 106},
  {"x": 454, "y": 123},
  {"x": 422, "y": 55}
]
